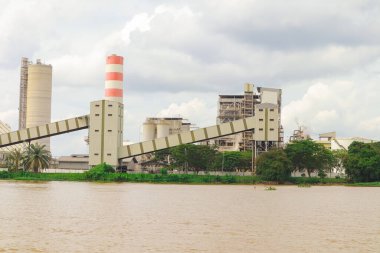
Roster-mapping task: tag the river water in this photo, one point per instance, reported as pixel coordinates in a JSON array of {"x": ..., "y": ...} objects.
[{"x": 108, "y": 217}]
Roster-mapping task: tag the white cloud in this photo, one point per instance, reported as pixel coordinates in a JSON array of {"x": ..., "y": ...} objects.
[{"x": 178, "y": 57}]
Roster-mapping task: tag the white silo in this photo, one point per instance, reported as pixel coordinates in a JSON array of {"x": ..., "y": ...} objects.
[
  {"x": 149, "y": 131},
  {"x": 162, "y": 129},
  {"x": 38, "y": 108}
]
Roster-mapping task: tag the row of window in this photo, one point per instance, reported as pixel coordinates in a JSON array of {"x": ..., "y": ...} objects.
[
  {"x": 108, "y": 154},
  {"x": 97, "y": 114},
  {"x": 260, "y": 110},
  {"x": 263, "y": 119},
  {"x": 97, "y": 105},
  {"x": 270, "y": 129}
]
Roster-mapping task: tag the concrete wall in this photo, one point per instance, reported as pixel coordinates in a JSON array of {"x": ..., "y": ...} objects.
[{"x": 106, "y": 131}]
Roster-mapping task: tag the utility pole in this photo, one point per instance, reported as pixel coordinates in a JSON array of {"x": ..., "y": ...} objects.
[
  {"x": 223, "y": 161},
  {"x": 253, "y": 158}
]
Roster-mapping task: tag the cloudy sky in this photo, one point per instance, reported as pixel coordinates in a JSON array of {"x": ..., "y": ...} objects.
[{"x": 180, "y": 55}]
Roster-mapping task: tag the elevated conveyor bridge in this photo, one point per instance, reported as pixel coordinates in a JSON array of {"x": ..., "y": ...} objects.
[{"x": 43, "y": 131}]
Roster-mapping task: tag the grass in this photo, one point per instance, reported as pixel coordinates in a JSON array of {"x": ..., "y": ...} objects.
[
  {"x": 124, "y": 177},
  {"x": 366, "y": 184},
  {"x": 170, "y": 178}
]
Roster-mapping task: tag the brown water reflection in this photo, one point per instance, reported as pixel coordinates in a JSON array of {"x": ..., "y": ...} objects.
[{"x": 94, "y": 217}]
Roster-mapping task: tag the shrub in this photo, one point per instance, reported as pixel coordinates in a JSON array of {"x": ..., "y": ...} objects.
[
  {"x": 99, "y": 172},
  {"x": 274, "y": 166}
]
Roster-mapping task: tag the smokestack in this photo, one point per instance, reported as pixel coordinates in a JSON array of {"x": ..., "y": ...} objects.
[{"x": 114, "y": 78}]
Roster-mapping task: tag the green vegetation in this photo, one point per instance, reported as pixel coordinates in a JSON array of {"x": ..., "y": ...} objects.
[
  {"x": 368, "y": 184},
  {"x": 14, "y": 160},
  {"x": 124, "y": 177},
  {"x": 99, "y": 172},
  {"x": 310, "y": 156},
  {"x": 96, "y": 176},
  {"x": 34, "y": 158},
  {"x": 274, "y": 166},
  {"x": 363, "y": 162},
  {"x": 270, "y": 188},
  {"x": 195, "y": 158},
  {"x": 304, "y": 185}
]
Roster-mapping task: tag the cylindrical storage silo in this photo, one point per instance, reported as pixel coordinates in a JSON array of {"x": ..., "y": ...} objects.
[
  {"x": 149, "y": 130},
  {"x": 162, "y": 129},
  {"x": 38, "y": 105},
  {"x": 114, "y": 78}
]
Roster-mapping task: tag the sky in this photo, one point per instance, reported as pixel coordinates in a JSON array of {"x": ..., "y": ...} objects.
[{"x": 180, "y": 55}]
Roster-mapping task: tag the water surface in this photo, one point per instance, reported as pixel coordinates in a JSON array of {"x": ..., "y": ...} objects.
[{"x": 96, "y": 217}]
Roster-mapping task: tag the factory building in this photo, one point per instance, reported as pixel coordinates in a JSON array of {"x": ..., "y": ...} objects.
[
  {"x": 265, "y": 103},
  {"x": 330, "y": 141},
  {"x": 35, "y": 96},
  {"x": 161, "y": 127}
]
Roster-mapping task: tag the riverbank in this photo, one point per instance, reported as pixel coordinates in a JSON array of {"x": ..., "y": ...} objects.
[{"x": 164, "y": 178}]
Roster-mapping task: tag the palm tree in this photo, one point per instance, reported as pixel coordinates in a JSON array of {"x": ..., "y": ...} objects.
[
  {"x": 36, "y": 157},
  {"x": 14, "y": 160}
]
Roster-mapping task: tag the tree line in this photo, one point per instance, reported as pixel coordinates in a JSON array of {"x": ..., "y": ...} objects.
[
  {"x": 360, "y": 163},
  {"x": 33, "y": 158}
]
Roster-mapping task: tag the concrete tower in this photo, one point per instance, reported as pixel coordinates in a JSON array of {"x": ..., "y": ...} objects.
[
  {"x": 106, "y": 117},
  {"x": 38, "y": 107},
  {"x": 114, "y": 79}
]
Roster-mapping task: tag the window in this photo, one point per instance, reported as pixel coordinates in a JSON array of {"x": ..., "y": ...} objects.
[
  {"x": 97, "y": 114},
  {"x": 96, "y": 130},
  {"x": 108, "y": 154},
  {"x": 272, "y": 129},
  {"x": 261, "y": 119},
  {"x": 97, "y": 105},
  {"x": 272, "y": 110},
  {"x": 261, "y": 110},
  {"x": 271, "y": 119},
  {"x": 96, "y": 154},
  {"x": 260, "y": 129},
  {"x": 109, "y": 130},
  {"x": 109, "y": 114},
  {"x": 109, "y": 105}
]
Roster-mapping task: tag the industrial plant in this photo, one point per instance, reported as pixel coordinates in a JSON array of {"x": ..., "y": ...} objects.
[{"x": 250, "y": 121}]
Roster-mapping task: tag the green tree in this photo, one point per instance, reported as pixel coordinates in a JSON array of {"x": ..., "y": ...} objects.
[
  {"x": 36, "y": 157},
  {"x": 310, "y": 156},
  {"x": 194, "y": 157},
  {"x": 340, "y": 158},
  {"x": 363, "y": 162},
  {"x": 233, "y": 161},
  {"x": 274, "y": 165},
  {"x": 14, "y": 160}
]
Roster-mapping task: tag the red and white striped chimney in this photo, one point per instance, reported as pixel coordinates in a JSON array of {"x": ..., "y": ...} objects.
[{"x": 114, "y": 78}]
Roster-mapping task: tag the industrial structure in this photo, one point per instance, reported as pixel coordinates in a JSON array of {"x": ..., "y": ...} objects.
[
  {"x": 265, "y": 105},
  {"x": 330, "y": 141},
  {"x": 114, "y": 78},
  {"x": 35, "y": 96},
  {"x": 23, "y": 90},
  {"x": 258, "y": 113},
  {"x": 161, "y": 127}
]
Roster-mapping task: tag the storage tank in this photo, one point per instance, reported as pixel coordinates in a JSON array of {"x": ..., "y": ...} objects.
[
  {"x": 149, "y": 131},
  {"x": 114, "y": 78},
  {"x": 162, "y": 129},
  {"x": 38, "y": 108}
]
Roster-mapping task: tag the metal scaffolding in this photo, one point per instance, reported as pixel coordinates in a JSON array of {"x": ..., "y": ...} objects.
[{"x": 23, "y": 93}]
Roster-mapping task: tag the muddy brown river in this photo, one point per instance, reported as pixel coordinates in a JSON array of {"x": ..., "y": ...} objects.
[{"x": 126, "y": 217}]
